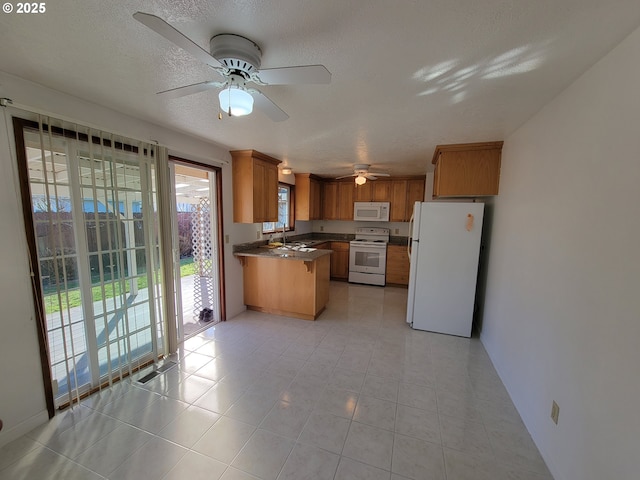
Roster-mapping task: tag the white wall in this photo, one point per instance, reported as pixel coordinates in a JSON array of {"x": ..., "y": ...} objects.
[
  {"x": 22, "y": 404},
  {"x": 562, "y": 308}
]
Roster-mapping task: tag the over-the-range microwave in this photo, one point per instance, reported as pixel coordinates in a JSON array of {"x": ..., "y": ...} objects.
[{"x": 371, "y": 211}]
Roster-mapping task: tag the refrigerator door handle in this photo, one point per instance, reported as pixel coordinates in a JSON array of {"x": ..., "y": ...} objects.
[{"x": 410, "y": 237}]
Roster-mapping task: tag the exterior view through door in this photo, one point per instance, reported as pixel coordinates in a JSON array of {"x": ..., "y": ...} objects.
[
  {"x": 196, "y": 247},
  {"x": 99, "y": 224},
  {"x": 91, "y": 218}
]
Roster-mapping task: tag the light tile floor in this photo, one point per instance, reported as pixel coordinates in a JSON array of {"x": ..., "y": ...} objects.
[{"x": 354, "y": 395}]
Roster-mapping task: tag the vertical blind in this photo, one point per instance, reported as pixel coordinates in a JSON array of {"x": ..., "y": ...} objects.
[{"x": 94, "y": 207}]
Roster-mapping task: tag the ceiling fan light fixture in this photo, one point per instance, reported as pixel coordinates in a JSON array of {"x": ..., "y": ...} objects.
[
  {"x": 361, "y": 180},
  {"x": 287, "y": 171},
  {"x": 236, "y": 100}
]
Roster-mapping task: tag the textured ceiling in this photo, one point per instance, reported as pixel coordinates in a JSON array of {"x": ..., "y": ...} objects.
[{"x": 406, "y": 74}]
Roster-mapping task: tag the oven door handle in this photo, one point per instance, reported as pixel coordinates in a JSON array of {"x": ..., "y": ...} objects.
[{"x": 368, "y": 249}]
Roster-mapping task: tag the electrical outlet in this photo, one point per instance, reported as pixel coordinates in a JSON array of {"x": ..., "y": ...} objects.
[
  {"x": 258, "y": 234},
  {"x": 226, "y": 239},
  {"x": 322, "y": 228},
  {"x": 555, "y": 412},
  {"x": 397, "y": 231}
]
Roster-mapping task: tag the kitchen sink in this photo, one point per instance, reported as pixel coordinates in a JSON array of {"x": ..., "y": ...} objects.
[
  {"x": 293, "y": 246},
  {"x": 282, "y": 252},
  {"x": 296, "y": 247}
]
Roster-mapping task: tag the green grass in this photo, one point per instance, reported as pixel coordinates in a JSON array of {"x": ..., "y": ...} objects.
[
  {"x": 72, "y": 297},
  {"x": 187, "y": 267}
]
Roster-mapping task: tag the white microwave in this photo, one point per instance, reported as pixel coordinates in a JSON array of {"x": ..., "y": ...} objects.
[{"x": 371, "y": 211}]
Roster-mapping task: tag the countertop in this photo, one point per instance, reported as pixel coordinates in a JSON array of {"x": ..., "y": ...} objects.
[
  {"x": 310, "y": 240},
  {"x": 286, "y": 253}
]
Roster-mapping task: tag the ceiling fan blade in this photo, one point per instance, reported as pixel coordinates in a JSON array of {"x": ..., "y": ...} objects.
[
  {"x": 308, "y": 74},
  {"x": 368, "y": 176},
  {"x": 378, "y": 174},
  {"x": 266, "y": 106},
  {"x": 347, "y": 176},
  {"x": 190, "y": 89},
  {"x": 161, "y": 27}
]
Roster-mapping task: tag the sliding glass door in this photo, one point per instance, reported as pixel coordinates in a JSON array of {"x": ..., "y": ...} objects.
[{"x": 93, "y": 205}]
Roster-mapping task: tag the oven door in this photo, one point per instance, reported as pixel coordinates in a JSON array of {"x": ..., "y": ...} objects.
[{"x": 366, "y": 259}]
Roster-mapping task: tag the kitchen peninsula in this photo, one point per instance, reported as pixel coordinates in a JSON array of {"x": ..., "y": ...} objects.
[{"x": 284, "y": 281}]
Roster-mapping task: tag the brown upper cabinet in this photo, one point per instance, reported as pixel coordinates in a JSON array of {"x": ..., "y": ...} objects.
[
  {"x": 404, "y": 193},
  {"x": 337, "y": 203},
  {"x": 363, "y": 193},
  {"x": 337, "y": 197},
  {"x": 330, "y": 200},
  {"x": 381, "y": 190},
  {"x": 345, "y": 200},
  {"x": 373, "y": 191},
  {"x": 467, "y": 170},
  {"x": 400, "y": 192},
  {"x": 308, "y": 204},
  {"x": 398, "y": 201},
  {"x": 255, "y": 187},
  {"x": 415, "y": 193}
]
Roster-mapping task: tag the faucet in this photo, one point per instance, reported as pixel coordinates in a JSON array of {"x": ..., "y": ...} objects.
[{"x": 284, "y": 238}]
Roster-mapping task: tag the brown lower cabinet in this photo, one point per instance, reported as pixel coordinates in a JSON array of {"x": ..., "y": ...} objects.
[
  {"x": 307, "y": 291},
  {"x": 397, "y": 262},
  {"x": 340, "y": 260},
  {"x": 397, "y": 265}
]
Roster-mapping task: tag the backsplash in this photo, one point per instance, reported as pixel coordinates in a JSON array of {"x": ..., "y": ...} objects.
[{"x": 340, "y": 226}]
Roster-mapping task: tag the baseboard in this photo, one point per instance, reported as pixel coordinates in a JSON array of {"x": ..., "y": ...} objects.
[{"x": 24, "y": 427}]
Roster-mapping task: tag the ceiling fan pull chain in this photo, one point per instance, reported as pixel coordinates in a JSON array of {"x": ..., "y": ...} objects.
[{"x": 219, "y": 111}]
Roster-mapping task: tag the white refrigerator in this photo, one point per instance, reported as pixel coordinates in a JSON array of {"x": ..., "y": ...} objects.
[{"x": 444, "y": 250}]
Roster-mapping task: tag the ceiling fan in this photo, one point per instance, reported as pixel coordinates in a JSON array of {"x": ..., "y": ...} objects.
[
  {"x": 237, "y": 59},
  {"x": 362, "y": 174}
]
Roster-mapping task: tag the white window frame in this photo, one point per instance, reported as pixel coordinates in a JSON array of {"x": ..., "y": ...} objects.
[{"x": 285, "y": 211}]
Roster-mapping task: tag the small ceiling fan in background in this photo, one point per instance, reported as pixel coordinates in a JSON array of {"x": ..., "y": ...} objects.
[
  {"x": 237, "y": 59},
  {"x": 362, "y": 174}
]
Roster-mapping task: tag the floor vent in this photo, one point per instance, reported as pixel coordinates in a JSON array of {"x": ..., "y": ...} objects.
[
  {"x": 165, "y": 366},
  {"x": 161, "y": 369},
  {"x": 148, "y": 377}
]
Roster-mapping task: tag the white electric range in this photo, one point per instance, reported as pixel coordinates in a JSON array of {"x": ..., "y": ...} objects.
[{"x": 368, "y": 256}]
